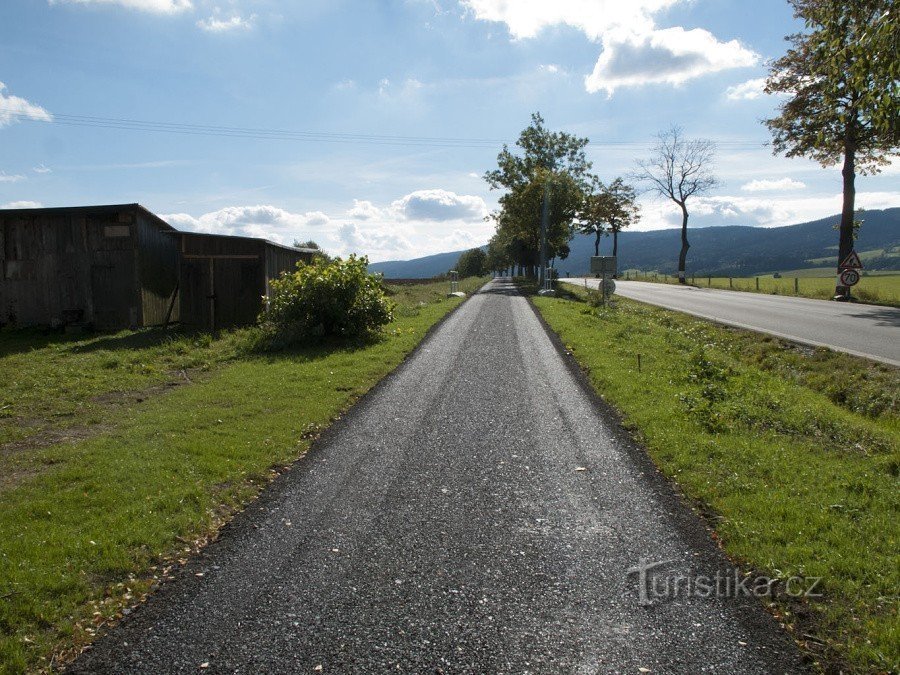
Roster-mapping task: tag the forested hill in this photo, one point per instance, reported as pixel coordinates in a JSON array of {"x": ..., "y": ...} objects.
[{"x": 732, "y": 250}]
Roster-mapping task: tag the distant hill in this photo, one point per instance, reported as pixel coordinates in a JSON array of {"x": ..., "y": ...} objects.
[{"x": 722, "y": 251}]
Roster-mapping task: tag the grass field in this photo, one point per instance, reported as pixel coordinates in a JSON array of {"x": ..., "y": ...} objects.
[
  {"x": 120, "y": 454},
  {"x": 875, "y": 288},
  {"x": 793, "y": 452}
]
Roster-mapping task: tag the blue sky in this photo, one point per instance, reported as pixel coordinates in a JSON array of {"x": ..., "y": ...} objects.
[{"x": 371, "y": 80}]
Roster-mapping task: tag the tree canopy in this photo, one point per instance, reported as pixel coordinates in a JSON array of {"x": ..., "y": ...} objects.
[
  {"x": 472, "y": 263},
  {"x": 608, "y": 209},
  {"x": 549, "y": 163}
]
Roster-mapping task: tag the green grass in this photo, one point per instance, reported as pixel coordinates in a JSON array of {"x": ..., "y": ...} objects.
[
  {"x": 794, "y": 452},
  {"x": 879, "y": 289},
  {"x": 90, "y": 521}
]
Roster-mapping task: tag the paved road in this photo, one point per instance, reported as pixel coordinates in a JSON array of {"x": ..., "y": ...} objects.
[
  {"x": 477, "y": 512},
  {"x": 864, "y": 330}
]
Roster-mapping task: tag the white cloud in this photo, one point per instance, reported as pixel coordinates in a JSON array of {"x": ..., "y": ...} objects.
[
  {"x": 773, "y": 185},
  {"x": 634, "y": 51},
  {"x": 152, "y": 6},
  {"x": 214, "y": 24},
  {"x": 10, "y": 178},
  {"x": 667, "y": 56},
  {"x": 14, "y": 109},
  {"x": 526, "y": 18},
  {"x": 23, "y": 204},
  {"x": 265, "y": 221},
  {"x": 364, "y": 210},
  {"x": 747, "y": 91},
  {"x": 439, "y": 205},
  {"x": 374, "y": 242},
  {"x": 42, "y": 169}
]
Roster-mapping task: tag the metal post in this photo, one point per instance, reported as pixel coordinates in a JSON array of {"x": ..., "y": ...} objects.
[{"x": 545, "y": 221}]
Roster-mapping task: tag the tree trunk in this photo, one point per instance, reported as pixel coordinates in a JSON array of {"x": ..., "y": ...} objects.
[
  {"x": 845, "y": 244},
  {"x": 615, "y": 243},
  {"x": 597, "y": 243},
  {"x": 682, "y": 257}
]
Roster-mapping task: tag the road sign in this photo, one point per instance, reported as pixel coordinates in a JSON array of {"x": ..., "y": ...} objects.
[
  {"x": 849, "y": 277},
  {"x": 603, "y": 264},
  {"x": 851, "y": 262},
  {"x": 608, "y": 286}
]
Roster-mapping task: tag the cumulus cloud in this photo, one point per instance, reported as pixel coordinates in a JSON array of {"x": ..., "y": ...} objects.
[
  {"x": 10, "y": 178},
  {"x": 747, "y": 91},
  {"x": 373, "y": 241},
  {"x": 42, "y": 169},
  {"x": 773, "y": 185},
  {"x": 364, "y": 210},
  {"x": 216, "y": 24},
  {"x": 152, "y": 6},
  {"x": 668, "y": 56},
  {"x": 23, "y": 204},
  {"x": 14, "y": 109},
  {"x": 265, "y": 221},
  {"x": 634, "y": 51},
  {"x": 440, "y": 205}
]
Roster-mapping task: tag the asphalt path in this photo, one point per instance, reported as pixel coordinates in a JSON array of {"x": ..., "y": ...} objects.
[
  {"x": 477, "y": 512},
  {"x": 870, "y": 331}
]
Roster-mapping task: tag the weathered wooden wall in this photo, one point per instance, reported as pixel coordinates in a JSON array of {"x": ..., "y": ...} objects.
[
  {"x": 106, "y": 266},
  {"x": 223, "y": 278}
]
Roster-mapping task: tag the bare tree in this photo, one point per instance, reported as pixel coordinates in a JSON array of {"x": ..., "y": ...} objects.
[{"x": 679, "y": 169}]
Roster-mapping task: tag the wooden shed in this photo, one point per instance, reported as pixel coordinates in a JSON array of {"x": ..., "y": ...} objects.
[
  {"x": 223, "y": 278},
  {"x": 108, "y": 266}
]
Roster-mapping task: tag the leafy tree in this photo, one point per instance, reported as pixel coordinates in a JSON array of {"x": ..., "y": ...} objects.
[
  {"x": 608, "y": 209},
  {"x": 550, "y": 163},
  {"x": 336, "y": 298},
  {"x": 319, "y": 254},
  {"x": 498, "y": 258},
  {"x": 624, "y": 211},
  {"x": 842, "y": 77},
  {"x": 472, "y": 263},
  {"x": 679, "y": 169},
  {"x": 594, "y": 215}
]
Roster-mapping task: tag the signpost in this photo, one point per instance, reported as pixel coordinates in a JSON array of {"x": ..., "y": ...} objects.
[
  {"x": 605, "y": 267},
  {"x": 848, "y": 275}
]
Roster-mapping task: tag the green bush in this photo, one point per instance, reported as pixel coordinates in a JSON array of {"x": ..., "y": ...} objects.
[{"x": 327, "y": 298}]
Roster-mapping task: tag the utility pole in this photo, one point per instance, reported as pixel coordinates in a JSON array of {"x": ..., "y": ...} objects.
[{"x": 545, "y": 221}]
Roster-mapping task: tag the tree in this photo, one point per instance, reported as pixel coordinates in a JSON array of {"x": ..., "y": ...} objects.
[
  {"x": 318, "y": 254},
  {"x": 594, "y": 215},
  {"x": 679, "y": 169},
  {"x": 841, "y": 77},
  {"x": 625, "y": 210},
  {"x": 497, "y": 258},
  {"x": 551, "y": 163},
  {"x": 472, "y": 263},
  {"x": 608, "y": 209}
]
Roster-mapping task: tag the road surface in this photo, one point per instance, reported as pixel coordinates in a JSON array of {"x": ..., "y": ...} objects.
[
  {"x": 869, "y": 331},
  {"x": 477, "y": 512}
]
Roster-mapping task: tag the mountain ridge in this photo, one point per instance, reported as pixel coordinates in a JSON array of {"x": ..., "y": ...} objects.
[{"x": 728, "y": 250}]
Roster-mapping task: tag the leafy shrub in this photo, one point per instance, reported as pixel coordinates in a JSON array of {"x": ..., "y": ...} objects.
[{"x": 327, "y": 298}]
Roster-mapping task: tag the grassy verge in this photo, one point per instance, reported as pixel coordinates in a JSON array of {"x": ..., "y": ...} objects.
[
  {"x": 90, "y": 521},
  {"x": 877, "y": 289},
  {"x": 794, "y": 452}
]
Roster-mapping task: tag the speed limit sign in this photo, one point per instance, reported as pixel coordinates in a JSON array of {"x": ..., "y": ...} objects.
[{"x": 849, "y": 277}]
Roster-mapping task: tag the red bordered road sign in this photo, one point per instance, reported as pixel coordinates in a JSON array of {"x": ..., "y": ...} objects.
[
  {"x": 851, "y": 262},
  {"x": 849, "y": 277}
]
